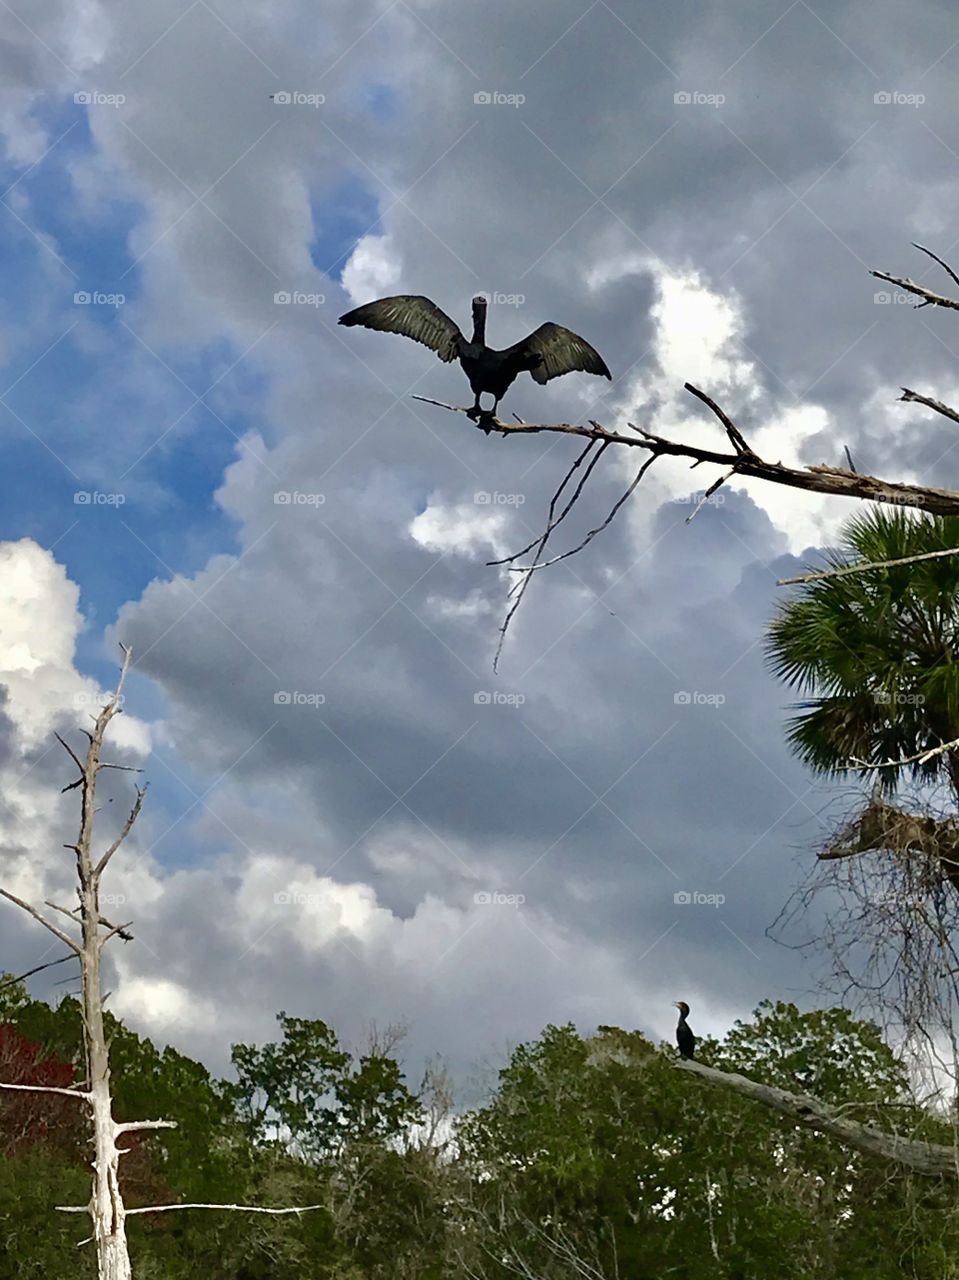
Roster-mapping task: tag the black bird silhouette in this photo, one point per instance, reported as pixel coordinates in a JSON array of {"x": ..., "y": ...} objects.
[
  {"x": 548, "y": 352},
  {"x": 684, "y": 1036}
]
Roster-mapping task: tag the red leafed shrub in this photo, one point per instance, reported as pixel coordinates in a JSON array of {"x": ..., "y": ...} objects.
[{"x": 30, "y": 1118}]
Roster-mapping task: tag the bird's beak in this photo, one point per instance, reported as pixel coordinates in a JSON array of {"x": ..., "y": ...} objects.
[{"x": 675, "y": 1004}]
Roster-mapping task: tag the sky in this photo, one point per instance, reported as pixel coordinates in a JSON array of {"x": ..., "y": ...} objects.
[{"x": 350, "y": 815}]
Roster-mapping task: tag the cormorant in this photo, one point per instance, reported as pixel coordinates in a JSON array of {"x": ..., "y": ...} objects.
[
  {"x": 684, "y": 1036},
  {"x": 547, "y": 352}
]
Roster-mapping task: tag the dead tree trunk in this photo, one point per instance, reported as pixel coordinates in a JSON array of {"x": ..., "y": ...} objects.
[{"x": 105, "y": 1208}]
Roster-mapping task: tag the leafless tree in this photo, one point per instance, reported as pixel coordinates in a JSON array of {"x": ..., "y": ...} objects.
[{"x": 105, "y": 1208}]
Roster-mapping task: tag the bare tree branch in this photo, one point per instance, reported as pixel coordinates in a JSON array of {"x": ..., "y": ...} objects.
[
  {"x": 132, "y": 817},
  {"x": 833, "y": 481},
  {"x": 930, "y": 298},
  {"x": 865, "y": 566},
  {"x": 930, "y": 403},
  {"x": 131, "y": 1126},
  {"x": 58, "y": 933},
  {"x": 12, "y": 982},
  {"x": 168, "y": 1208},
  {"x": 919, "y": 758},
  {"x": 38, "y": 1088},
  {"x": 930, "y": 1159}
]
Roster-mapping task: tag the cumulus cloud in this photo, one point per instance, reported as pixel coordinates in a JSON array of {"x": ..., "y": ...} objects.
[{"x": 396, "y": 778}]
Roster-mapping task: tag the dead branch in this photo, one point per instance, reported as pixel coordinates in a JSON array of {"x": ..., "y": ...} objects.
[
  {"x": 50, "y": 964},
  {"x": 131, "y": 1126},
  {"x": 38, "y": 1088},
  {"x": 168, "y": 1208},
  {"x": 930, "y": 403},
  {"x": 131, "y": 818},
  {"x": 32, "y": 911},
  {"x": 832, "y": 481},
  {"x": 865, "y": 566},
  {"x": 930, "y": 1159}
]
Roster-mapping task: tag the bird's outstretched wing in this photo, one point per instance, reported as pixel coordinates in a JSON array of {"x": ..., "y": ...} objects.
[
  {"x": 414, "y": 317},
  {"x": 562, "y": 351}
]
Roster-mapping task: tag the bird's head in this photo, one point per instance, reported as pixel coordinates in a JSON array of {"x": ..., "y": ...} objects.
[
  {"x": 480, "y": 303},
  {"x": 683, "y": 1007}
]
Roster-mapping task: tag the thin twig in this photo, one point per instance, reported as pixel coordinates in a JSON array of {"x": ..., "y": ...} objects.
[
  {"x": 134, "y": 813},
  {"x": 919, "y": 758},
  {"x": 32, "y": 911},
  {"x": 935, "y": 257},
  {"x": 848, "y": 569},
  {"x": 12, "y": 982},
  {"x": 43, "y": 1088},
  {"x": 168, "y": 1208}
]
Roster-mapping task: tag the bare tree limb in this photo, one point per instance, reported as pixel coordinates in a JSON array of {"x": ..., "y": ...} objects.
[
  {"x": 930, "y": 403},
  {"x": 919, "y": 758},
  {"x": 833, "y": 481},
  {"x": 38, "y": 1088},
  {"x": 865, "y": 566},
  {"x": 935, "y": 257},
  {"x": 930, "y": 298},
  {"x": 930, "y": 1159},
  {"x": 131, "y": 1126},
  {"x": 12, "y": 982},
  {"x": 58, "y": 933},
  {"x": 120, "y": 930},
  {"x": 168, "y": 1208},
  {"x": 132, "y": 817}
]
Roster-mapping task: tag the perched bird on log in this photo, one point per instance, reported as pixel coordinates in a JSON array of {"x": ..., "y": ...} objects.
[
  {"x": 684, "y": 1036},
  {"x": 548, "y": 352}
]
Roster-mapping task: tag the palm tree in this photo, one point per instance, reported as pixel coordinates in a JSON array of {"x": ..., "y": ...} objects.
[{"x": 877, "y": 651}]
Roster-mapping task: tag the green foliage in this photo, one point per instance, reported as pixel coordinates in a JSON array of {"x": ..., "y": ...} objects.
[
  {"x": 594, "y": 1149},
  {"x": 878, "y": 651}
]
